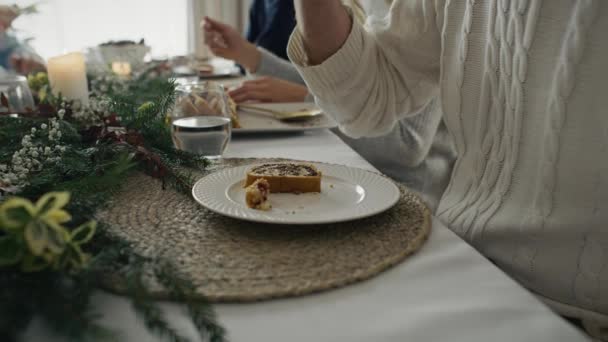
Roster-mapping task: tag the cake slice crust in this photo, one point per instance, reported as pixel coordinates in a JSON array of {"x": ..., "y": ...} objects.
[{"x": 287, "y": 177}]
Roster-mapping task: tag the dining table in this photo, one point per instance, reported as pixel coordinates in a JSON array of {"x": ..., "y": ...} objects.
[{"x": 446, "y": 291}]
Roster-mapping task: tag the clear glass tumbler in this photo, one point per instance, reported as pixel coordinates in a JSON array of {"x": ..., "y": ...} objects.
[
  {"x": 201, "y": 119},
  {"x": 207, "y": 136}
]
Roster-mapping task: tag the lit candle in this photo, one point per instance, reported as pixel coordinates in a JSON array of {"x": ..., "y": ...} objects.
[
  {"x": 121, "y": 68},
  {"x": 68, "y": 76}
]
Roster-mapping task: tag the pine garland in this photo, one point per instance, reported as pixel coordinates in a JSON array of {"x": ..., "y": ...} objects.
[{"x": 95, "y": 161}]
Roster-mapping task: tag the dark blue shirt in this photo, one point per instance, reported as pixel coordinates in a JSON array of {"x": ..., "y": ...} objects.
[
  {"x": 270, "y": 25},
  {"x": 8, "y": 45}
]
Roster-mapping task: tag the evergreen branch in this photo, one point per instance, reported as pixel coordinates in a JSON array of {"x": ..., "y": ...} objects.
[
  {"x": 151, "y": 315},
  {"x": 202, "y": 314},
  {"x": 62, "y": 301},
  {"x": 160, "y": 94},
  {"x": 179, "y": 180},
  {"x": 92, "y": 171},
  {"x": 11, "y": 132},
  {"x": 91, "y": 175},
  {"x": 16, "y": 313}
]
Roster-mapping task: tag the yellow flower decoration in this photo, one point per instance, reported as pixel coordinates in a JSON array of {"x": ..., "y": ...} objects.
[
  {"x": 145, "y": 106},
  {"x": 50, "y": 208},
  {"x": 35, "y": 235},
  {"x": 14, "y": 212}
]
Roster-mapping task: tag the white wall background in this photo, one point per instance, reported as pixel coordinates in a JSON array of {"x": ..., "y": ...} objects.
[
  {"x": 72, "y": 25},
  {"x": 168, "y": 26}
]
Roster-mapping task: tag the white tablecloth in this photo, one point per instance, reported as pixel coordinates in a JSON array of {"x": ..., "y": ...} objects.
[{"x": 445, "y": 292}]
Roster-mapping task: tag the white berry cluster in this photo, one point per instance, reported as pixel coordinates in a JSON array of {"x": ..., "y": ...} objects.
[
  {"x": 104, "y": 84},
  {"x": 42, "y": 145},
  {"x": 94, "y": 113}
]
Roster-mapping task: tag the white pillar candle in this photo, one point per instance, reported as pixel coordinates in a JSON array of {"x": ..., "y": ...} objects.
[{"x": 68, "y": 76}]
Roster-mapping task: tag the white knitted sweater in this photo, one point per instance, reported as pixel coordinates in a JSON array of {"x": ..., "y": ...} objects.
[
  {"x": 523, "y": 87},
  {"x": 418, "y": 151}
]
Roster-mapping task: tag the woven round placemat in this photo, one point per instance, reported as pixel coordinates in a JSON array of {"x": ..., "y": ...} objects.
[{"x": 237, "y": 261}]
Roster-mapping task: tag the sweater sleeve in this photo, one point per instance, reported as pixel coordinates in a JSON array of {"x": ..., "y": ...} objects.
[
  {"x": 381, "y": 75},
  {"x": 274, "y": 66},
  {"x": 417, "y": 132}
]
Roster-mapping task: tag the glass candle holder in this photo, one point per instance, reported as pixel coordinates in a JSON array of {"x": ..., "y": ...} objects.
[{"x": 16, "y": 95}]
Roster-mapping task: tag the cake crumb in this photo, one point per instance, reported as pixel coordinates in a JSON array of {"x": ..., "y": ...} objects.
[{"x": 256, "y": 195}]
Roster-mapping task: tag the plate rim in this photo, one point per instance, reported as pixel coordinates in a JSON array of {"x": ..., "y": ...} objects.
[
  {"x": 280, "y": 130},
  {"x": 258, "y": 219},
  {"x": 331, "y": 122}
]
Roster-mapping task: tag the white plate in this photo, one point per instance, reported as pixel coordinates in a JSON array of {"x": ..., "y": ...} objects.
[
  {"x": 346, "y": 194},
  {"x": 254, "y": 122},
  {"x": 222, "y": 68}
]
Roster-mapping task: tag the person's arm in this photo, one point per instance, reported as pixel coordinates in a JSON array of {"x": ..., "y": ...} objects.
[
  {"x": 324, "y": 25},
  {"x": 26, "y": 63},
  {"x": 282, "y": 82},
  {"x": 269, "y": 89},
  {"x": 416, "y": 133},
  {"x": 370, "y": 80},
  {"x": 275, "y": 66},
  {"x": 224, "y": 41},
  {"x": 19, "y": 57},
  {"x": 7, "y": 15}
]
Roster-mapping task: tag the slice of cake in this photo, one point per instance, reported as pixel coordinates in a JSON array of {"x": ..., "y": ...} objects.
[
  {"x": 256, "y": 195},
  {"x": 287, "y": 177}
]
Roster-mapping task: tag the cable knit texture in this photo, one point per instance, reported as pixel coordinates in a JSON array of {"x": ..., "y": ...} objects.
[
  {"x": 417, "y": 152},
  {"x": 521, "y": 83}
]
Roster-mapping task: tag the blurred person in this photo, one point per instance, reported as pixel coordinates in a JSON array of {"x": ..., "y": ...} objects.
[
  {"x": 15, "y": 55},
  {"x": 281, "y": 81},
  {"x": 270, "y": 25},
  {"x": 262, "y": 52}
]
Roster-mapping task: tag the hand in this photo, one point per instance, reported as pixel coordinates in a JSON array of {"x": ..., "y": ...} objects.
[
  {"x": 268, "y": 89},
  {"x": 224, "y": 41},
  {"x": 7, "y": 15},
  {"x": 24, "y": 64}
]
